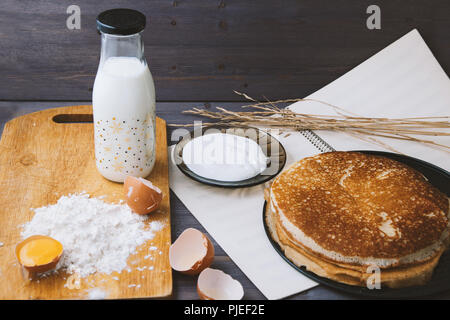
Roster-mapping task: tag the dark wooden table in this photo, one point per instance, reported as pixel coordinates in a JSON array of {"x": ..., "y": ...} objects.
[
  {"x": 202, "y": 50},
  {"x": 184, "y": 286}
]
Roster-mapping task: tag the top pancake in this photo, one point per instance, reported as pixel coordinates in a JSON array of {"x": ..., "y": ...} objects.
[{"x": 351, "y": 207}]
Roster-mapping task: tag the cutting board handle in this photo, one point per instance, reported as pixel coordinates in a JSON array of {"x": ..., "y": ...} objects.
[{"x": 73, "y": 118}]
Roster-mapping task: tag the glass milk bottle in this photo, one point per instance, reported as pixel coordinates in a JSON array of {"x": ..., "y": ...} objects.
[{"x": 123, "y": 98}]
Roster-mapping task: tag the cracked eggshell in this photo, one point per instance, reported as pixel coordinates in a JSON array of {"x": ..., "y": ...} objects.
[
  {"x": 30, "y": 269},
  {"x": 141, "y": 195},
  {"x": 191, "y": 253},
  {"x": 215, "y": 284}
]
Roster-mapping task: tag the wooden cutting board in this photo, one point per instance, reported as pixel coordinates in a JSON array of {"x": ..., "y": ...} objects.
[{"x": 41, "y": 160}]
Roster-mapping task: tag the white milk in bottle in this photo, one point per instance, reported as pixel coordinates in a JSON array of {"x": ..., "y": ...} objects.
[{"x": 123, "y": 99}]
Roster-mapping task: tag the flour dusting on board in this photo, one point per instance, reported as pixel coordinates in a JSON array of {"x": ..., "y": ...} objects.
[
  {"x": 97, "y": 236},
  {"x": 96, "y": 294}
]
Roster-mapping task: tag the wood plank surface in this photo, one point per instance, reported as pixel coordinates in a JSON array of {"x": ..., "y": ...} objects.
[
  {"x": 184, "y": 287},
  {"x": 198, "y": 52},
  {"x": 204, "y": 49},
  {"x": 40, "y": 161}
]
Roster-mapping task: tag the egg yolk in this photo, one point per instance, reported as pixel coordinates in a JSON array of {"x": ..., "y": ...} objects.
[{"x": 40, "y": 252}]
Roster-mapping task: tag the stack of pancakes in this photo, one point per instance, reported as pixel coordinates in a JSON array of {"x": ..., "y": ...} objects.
[{"x": 344, "y": 214}]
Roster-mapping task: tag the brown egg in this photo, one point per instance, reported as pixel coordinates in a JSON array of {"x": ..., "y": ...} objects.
[
  {"x": 191, "y": 253},
  {"x": 213, "y": 284},
  {"x": 141, "y": 195},
  {"x": 38, "y": 254}
]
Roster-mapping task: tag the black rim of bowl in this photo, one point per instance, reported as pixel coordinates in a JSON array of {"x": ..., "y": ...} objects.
[
  {"x": 441, "y": 270},
  {"x": 280, "y": 158}
]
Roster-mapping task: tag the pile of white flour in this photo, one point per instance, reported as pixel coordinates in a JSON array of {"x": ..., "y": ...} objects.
[{"x": 96, "y": 236}]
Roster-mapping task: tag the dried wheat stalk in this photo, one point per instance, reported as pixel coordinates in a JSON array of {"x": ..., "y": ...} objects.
[{"x": 269, "y": 115}]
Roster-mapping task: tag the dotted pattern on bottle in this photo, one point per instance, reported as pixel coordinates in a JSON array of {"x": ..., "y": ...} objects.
[{"x": 125, "y": 146}]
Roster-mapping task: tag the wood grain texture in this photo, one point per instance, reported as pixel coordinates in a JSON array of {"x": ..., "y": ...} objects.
[
  {"x": 184, "y": 287},
  {"x": 41, "y": 160},
  {"x": 204, "y": 49}
]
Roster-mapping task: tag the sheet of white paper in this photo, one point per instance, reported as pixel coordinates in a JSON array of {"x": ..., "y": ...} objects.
[{"x": 400, "y": 81}]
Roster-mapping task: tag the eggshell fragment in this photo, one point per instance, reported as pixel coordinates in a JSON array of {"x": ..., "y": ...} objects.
[
  {"x": 215, "y": 284},
  {"x": 141, "y": 195},
  {"x": 29, "y": 266},
  {"x": 191, "y": 253}
]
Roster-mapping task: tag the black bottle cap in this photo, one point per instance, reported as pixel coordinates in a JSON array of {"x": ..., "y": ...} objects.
[{"x": 121, "y": 21}]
